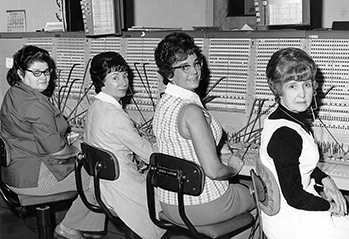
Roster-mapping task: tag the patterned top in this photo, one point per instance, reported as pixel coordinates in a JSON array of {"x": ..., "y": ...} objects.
[{"x": 169, "y": 141}]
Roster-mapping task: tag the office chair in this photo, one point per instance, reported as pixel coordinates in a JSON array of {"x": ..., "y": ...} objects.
[
  {"x": 266, "y": 194},
  {"x": 26, "y": 205},
  {"x": 100, "y": 164},
  {"x": 186, "y": 178}
]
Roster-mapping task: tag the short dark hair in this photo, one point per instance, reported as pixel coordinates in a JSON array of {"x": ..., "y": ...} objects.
[
  {"x": 24, "y": 58},
  {"x": 289, "y": 64},
  {"x": 176, "y": 46},
  {"x": 102, "y": 64}
]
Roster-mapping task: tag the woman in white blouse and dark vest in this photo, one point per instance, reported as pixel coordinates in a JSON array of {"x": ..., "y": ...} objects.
[
  {"x": 289, "y": 150},
  {"x": 185, "y": 129}
]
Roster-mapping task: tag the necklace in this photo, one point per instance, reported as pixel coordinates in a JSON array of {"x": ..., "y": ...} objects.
[{"x": 298, "y": 121}]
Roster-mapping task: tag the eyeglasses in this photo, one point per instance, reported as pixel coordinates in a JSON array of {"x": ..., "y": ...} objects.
[
  {"x": 38, "y": 73},
  {"x": 186, "y": 68}
]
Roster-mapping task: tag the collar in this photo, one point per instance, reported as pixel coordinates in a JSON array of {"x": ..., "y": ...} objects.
[
  {"x": 27, "y": 88},
  {"x": 109, "y": 99},
  {"x": 301, "y": 118},
  {"x": 31, "y": 92},
  {"x": 182, "y": 93}
]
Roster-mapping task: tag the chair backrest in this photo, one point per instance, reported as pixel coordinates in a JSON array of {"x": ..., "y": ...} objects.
[
  {"x": 4, "y": 152},
  {"x": 259, "y": 190},
  {"x": 104, "y": 160},
  {"x": 100, "y": 164},
  {"x": 167, "y": 170},
  {"x": 176, "y": 175},
  {"x": 266, "y": 189},
  {"x": 6, "y": 193}
]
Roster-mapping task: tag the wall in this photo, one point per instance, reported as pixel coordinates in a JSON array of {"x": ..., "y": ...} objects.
[
  {"x": 173, "y": 13},
  {"x": 7, "y": 49},
  {"x": 38, "y": 12},
  {"x": 156, "y": 13},
  {"x": 334, "y": 10}
]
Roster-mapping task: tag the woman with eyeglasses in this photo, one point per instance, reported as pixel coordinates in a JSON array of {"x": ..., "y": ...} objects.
[
  {"x": 184, "y": 128},
  {"x": 41, "y": 159},
  {"x": 109, "y": 126}
]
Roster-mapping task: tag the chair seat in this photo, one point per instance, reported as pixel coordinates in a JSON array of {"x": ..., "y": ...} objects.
[
  {"x": 28, "y": 200},
  {"x": 241, "y": 221}
]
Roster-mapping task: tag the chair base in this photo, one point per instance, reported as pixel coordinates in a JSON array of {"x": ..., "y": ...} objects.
[{"x": 46, "y": 222}]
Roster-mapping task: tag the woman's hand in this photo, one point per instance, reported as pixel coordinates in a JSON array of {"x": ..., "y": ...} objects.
[
  {"x": 335, "y": 197},
  {"x": 232, "y": 160},
  {"x": 65, "y": 153},
  {"x": 236, "y": 163}
]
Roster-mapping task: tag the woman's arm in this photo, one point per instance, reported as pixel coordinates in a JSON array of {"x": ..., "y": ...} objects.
[
  {"x": 129, "y": 136},
  {"x": 45, "y": 130},
  {"x": 193, "y": 125},
  {"x": 285, "y": 147},
  {"x": 65, "y": 153}
]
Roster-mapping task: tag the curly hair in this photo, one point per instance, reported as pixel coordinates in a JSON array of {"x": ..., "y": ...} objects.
[
  {"x": 104, "y": 63},
  {"x": 24, "y": 58},
  {"x": 174, "y": 47},
  {"x": 289, "y": 64}
]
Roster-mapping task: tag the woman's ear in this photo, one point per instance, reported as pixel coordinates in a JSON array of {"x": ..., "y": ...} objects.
[{"x": 20, "y": 74}]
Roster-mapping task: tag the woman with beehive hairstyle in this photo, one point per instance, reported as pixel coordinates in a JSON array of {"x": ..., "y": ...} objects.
[{"x": 288, "y": 149}]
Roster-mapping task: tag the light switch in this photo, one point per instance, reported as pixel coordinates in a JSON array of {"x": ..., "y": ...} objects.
[{"x": 9, "y": 62}]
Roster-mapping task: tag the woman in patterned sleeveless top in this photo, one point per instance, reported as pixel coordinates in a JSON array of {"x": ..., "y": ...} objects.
[{"x": 185, "y": 129}]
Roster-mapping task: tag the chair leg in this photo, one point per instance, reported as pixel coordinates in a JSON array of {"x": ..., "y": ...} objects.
[
  {"x": 131, "y": 235},
  {"x": 167, "y": 235},
  {"x": 45, "y": 222}
]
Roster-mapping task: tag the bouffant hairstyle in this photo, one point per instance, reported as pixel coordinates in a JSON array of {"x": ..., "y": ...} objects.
[
  {"x": 24, "y": 58},
  {"x": 174, "y": 47},
  {"x": 289, "y": 64},
  {"x": 104, "y": 63}
]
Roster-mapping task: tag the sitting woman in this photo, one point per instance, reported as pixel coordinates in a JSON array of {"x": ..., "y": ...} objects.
[
  {"x": 288, "y": 149},
  {"x": 109, "y": 127},
  {"x": 35, "y": 130},
  {"x": 184, "y": 128}
]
